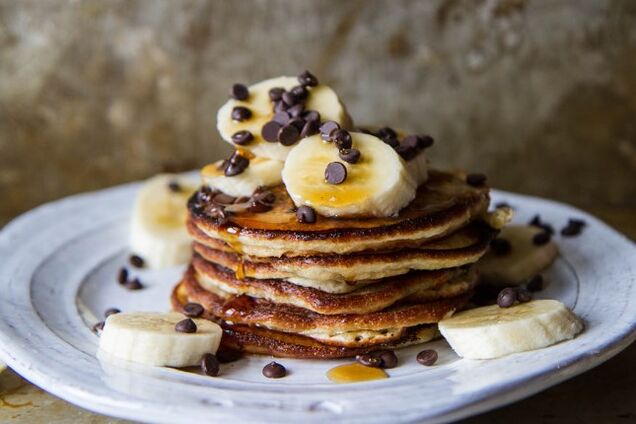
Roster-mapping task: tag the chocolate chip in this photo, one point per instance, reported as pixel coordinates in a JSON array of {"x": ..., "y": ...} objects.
[
  {"x": 388, "y": 357},
  {"x": 136, "y": 261},
  {"x": 296, "y": 110},
  {"x": 541, "y": 238},
  {"x": 342, "y": 138},
  {"x": 258, "y": 207},
  {"x": 335, "y": 173},
  {"x": 407, "y": 153},
  {"x": 300, "y": 92},
  {"x": 99, "y": 327},
  {"x": 122, "y": 276},
  {"x": 236, "y": 165},
  {"x": 308, "y": 79},
  {"x": 134, "y": 284},
  {"x": 241, "y": 113},
  {"x": 507, "y": 297},
  {"x": 192, "y": 310},
  {"x": 476, "y": 180},
  {"x": 535, "y": 284},
  {"x": 276, "y": 93},
  {"x": 311, "y": 115},
  {"x": 369, "y": 360},
  {"x": 417, "y": 141},
  {"x": 174, "y": 187},
  {"x": 265, "y": 196},
  {"x": 500, "y": 246},
  {"x": 239, "y": 92},
  {"x": 523, "y": 295},
  {"x": 327, "y": 128},
  {"x": 280, "y": 106},
  {"x": 186, "y": 326},
  {"x": 288, "y": 135},
  {"x": 210, "y": 365},
  {"x": 537, "y": 222},
  {"x": 349, "y": 155},
  {"x": 299, "y": 123},
  {"x": 270, "y": 131},
  {"x": 281, "y": 117},
  {"x": 289, "y": 98},
  {"x": 310, "y": 128},
  {"x": 242, "y": 138},
  {"x": 573, "y": 228},
  {"x": 386, "y": 132},
  {"x": 305, "y": 214},
  {"x": 228, "y": 355},
  {"x": 391, "y": 141},
  {"x": 223, "y": 199},
  {"x": 111, "y": 311},
  {"x": 427, "y": 357},
  {"x": 274, "y": 370}
]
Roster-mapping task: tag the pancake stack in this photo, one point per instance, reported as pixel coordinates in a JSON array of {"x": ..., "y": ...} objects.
[{"x": 337, "y": 287}]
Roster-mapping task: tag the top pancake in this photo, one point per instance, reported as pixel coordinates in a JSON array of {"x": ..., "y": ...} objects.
[{"x": 443, "y": 204}]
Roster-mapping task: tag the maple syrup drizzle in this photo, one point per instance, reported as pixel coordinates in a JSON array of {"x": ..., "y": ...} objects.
[{"x": 352, "y": 373}]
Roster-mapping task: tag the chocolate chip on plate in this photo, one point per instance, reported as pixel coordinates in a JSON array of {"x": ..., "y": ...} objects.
[
  {"x": 476, "y": 180},
  {"x": 276, "y": 93},
  {"x": 225, "y": 355},
  {"x": 349, "y": 155},
  {"x": 306, "y": 214},
  {"x": 274, "y": 370},
  {"x": 270, "y": 131},
  {"x": 192, "y": 310},
  {"x": 186, "y": 326},
  {"x": 541, "y": 238},
  {"x": 507, "y": 297},
  {"x": 136, "y": 261},
  {"x": 310, "y": 128},
  {"x": 335, "y": 173},
  {"x": 239, "y": 92},
  {"x": 288, "y": 135},
  {"x": 427, "y": 357},
  {"x": 122, "y": 276},
  {"x": 111, "y": 311},
  {"x": 99, "y": 327},
  {"x": 341, "y": 138},
  {"x": 573, "y": 228},
  {"x": 308, "y": 79},
  {"x": 210, "y": 365},
  {"x": 500, "y": 246},
  {"x": 388, "y": 357},
  {"x": 241, "y": 113},
  {"x": 242, "y": 138},
  {"x": 369, "y": 360},
  {"x": 134, "y": 284},
  {"x": 174, "y": 186},
  {"x": 535, "y": 283}
]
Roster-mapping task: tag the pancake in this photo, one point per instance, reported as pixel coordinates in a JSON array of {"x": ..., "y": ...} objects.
[
  {"x": 465, "y": 248},
  {"x": 443, "y": 204},
  {"x": 417, "y": 286},
  {"x": 352, "y": 330}
]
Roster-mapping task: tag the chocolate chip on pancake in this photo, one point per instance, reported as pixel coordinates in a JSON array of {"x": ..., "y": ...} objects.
[
  {"x": 307, "y": 79},
  {"x": 270, "y": 131},
  {"x": 242, "y": 138},
  {"x": 306, "y": 214},
  {"x": 241, "y": 113},
  {"x": 335, "y": 173},
  {"x": 239, "y": 92},
  {"x": 349, "y": 155}
]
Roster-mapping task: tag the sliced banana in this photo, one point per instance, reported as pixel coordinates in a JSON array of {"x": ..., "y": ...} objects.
[
  {"x": 157, "y": 230},
  {"x": 491, "y": 331},
  {"x": 524, "y": 261},
  {"x": 377, "y": 185},
  {"x": 321, "y": 99},
  {"x": 261, "y": 172},
  {"x": 150, "y": 338}
]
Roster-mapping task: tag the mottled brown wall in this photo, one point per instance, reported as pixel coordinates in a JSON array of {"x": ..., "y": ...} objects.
[{"x": 539, "y": 94}]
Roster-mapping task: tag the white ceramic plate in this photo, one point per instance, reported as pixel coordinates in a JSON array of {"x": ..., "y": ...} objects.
[{"x": 57, "y": 276}]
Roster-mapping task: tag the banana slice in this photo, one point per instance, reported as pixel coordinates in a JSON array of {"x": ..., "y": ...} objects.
[
  {"x": 377, "y": 185},
  {"x": 524, "y": 261},
  {"x": 491, "y": 331},
  {"x": 261, "y": 172},
  {"x": 150, "y": 338},
  {"x": 321, "y": 99},
  {"x": 157, "y": 230}
]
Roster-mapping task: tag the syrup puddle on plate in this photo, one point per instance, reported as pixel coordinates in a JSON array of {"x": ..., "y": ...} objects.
[{"x": 353, "y": 373}]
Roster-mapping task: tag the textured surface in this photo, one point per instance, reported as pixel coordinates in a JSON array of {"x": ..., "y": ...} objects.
[
  {"x": 539, "y": 94},
  {"x": 39, "y": 319}
]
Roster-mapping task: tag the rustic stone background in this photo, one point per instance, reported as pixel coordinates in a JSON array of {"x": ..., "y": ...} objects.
[{"x": 540, "y": 95}]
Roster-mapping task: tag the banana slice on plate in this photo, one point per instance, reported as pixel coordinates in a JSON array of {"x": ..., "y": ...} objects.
[
  {"x": 157, "y": 230},
  {"x": 524, "y": 260},
  {"x": 261, "y": 172},
  {"x": 378, "y": 184},
  {"x": 151, "y": 338},
  {"x": 490, "y": 331},
  {"x": 321, "y": 99}
]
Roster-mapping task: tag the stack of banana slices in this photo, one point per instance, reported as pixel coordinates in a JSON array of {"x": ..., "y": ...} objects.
[{"x": 316, "y": 239}]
